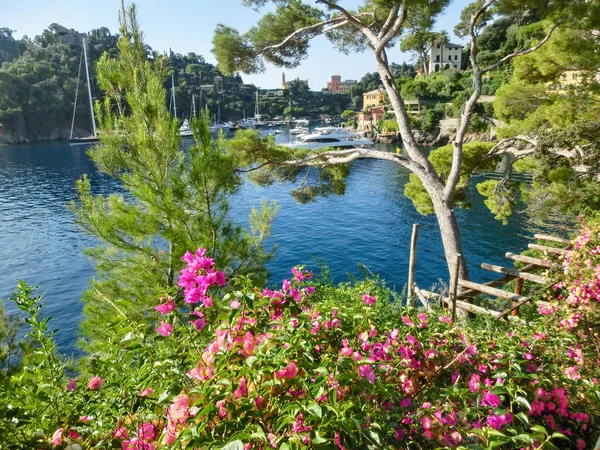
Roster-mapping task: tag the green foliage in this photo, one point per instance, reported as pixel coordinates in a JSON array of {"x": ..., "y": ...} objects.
[
  {"x": 441, "y": 159},
  {"x": 501, "y": 205},
  {"x": 172, "y": 200},
  {"x": 9, "y": 349}
]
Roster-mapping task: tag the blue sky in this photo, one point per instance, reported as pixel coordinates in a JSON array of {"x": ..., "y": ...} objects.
[{"x": 187, "y": 26}]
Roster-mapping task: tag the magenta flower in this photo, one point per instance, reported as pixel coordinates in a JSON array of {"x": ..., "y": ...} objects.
[
  {"x": 72, "y": 384},
  {"x": 365, "y": 371},
  {"x": 272, "y": 440},
  {"x": 573, "y": 373},
  {"x": 57, "y": 437},
  {"x": 368, "y": 299},
  {"x": 84, "y": 419},
  {"x": 167, "y": 307},
  {"x": 474, "y": 383},
  {"x": 234, "y": 304},
  {"x": 147, "y": 432},
  {"x": 489, "y": 399},
  {"x": 95, "y": 383},
  {"x": 496, "y": 421},
  {"x": 200, "y": 322},
  {"x": 286, "y": 285},
  {"x": 164, "y": 329}
]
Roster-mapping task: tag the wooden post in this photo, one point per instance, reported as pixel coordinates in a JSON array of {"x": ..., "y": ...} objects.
[
  {"x": 411, "y": 265},
  {"x": 518, "y": 290},
  {"x": 454, "y": 284}
]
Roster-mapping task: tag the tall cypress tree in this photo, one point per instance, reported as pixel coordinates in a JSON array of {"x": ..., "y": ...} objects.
[{"x": 173, "y": 200}]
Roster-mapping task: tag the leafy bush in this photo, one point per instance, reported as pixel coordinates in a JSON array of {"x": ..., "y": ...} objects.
[{"x": 311, "y": 365}]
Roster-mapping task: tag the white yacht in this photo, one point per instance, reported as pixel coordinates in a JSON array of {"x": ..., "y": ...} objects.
[
  {"x": 185, "y": 130},
  {"x": 299, "y": 130},
  {"x": 330, "y": 137}
]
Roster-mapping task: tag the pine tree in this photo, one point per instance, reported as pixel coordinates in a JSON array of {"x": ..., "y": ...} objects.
[{"x": 172, "y": 200}]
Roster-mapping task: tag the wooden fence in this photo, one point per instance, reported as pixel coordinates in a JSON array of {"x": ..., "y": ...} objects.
[{"x": 461, "y": 292}]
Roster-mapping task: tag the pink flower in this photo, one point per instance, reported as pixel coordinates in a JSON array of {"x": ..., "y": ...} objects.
[
  {"x": 167, "y": 307},
  {"x": 178, "y": 409},
  {"x": 366, "y": 371},
  {"x": 234, "y": 304},
  {"x": 200, "y": 322},
  {"x": 164, "y": 329},
  {"x": 72, "y": 384},
  {"x": 286, "y": 286},
  {"x": 406, "y": 320},
  {"x": 95, "y": 383},
  {"x": 368, "y": 299},
  {"x": 57, "y": 437},
  {"x": 120, "y": 433},
  {"x": 242, "y": 390},
  {"x": 84, "y": 419},
  {"x": 147, "y": 432},
  {"x": 445, "y": 319},
  {"x": 573, "y": 373},
  {"x": 146, "y": 392},
  {"x": 338, "y": 441},
  {"x": 289, "y": 372},
  {"x": 222, "y": 411}
]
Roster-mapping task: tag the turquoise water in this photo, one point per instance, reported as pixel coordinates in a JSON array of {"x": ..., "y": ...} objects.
[{"x": 370, "y": 224}]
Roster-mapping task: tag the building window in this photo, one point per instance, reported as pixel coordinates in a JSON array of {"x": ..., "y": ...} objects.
[
  {"x": 564, "y": 76},
  {"x": 437, "y": 58},
  {"x": 438, "y": 46},
  {"x": 574, "y": 76},
  {"x": 450, "y": 58},
  {"x": 455, "y": 66},
  {"x": 455, "y": 57},
  {"x": 437, "y": 67}
]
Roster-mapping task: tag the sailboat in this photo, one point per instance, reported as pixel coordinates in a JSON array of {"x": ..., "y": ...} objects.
[
  {"x": 93, "y": 138},
  {"x": 258, "y": 123},
  {"x": 185, "y": 130}
]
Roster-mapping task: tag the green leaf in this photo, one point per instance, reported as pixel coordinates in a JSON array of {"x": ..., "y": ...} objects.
[
  {"x": 540, "y": 429},
  {"x": 523, "y": 401},
  {"x": 315, "y": 410},
  {"x": 317, "y": 439},
  {"x": 558, "y": 436},
  {"x": 523, "y": 418},
  {"x": 235, "y": 445}
]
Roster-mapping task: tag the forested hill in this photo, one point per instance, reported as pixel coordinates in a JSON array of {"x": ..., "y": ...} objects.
[{"x": 38, "y": 79}]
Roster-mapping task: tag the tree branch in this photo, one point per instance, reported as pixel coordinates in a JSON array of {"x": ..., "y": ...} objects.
[
  {"x": 303, "y": 30},
  {"x": 394, "y": 30},
  {"x": 352, "y": 19},
  {"x": 388, "y": 22},
  {"x": 524, "y": 52},
  {"x": 332, "y": 157}
]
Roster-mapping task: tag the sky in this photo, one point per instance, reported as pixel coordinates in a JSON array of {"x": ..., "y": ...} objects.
[{"x": 188, "y": 26}]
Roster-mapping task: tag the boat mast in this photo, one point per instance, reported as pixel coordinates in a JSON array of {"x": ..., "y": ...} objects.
[
  {"x": 76, "y": 92},
  {"x": 256, "y": 113},
  {"x": 173, "y": 93},
  {"x": 87, "y": 74},
  {"x": 193, "y": 105}
]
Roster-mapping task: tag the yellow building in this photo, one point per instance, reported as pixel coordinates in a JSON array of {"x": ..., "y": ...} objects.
[
  {"x": 567, "y": 79},
  {"x": 377, "y": 97}
]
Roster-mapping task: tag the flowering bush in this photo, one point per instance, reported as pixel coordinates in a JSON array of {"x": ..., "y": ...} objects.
[{"x": 310, "y": 365}]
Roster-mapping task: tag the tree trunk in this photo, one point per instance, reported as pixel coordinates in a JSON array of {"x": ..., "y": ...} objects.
[
  {"x": 423, "y": 169},
  {"x": 450, "y": 233}
]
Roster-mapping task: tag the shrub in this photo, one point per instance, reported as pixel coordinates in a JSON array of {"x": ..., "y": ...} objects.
[{"x": 311, "y": 365}]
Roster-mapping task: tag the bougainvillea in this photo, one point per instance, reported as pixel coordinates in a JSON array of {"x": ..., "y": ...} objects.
[{"x": 309, "y": 365}]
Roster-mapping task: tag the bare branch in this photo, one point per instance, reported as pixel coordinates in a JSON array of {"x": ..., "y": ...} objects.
[
  {"x": 524, "y": 52},
  {"x": 299, "y": 31},
  {"x": 352, "y": 19},
  {"x": 455, "y": 168}
]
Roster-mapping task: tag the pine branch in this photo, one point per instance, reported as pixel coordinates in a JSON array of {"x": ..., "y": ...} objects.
[{"x": 525, "y": 52}]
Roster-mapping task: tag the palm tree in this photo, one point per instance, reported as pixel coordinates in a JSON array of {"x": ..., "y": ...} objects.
[{"x": 442, "y": 39}]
